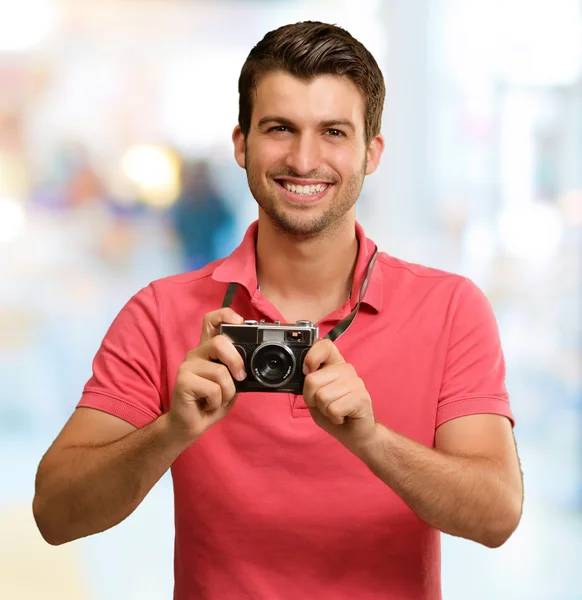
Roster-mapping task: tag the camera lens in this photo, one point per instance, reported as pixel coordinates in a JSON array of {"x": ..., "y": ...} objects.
[{"x": 273, "y": 364}]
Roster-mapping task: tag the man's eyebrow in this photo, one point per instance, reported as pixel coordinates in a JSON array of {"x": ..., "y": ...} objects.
[
  {"x": 338, "y": 123},
  {"x": 275, "y": 119},
  {"x": 324, "y": 124}
]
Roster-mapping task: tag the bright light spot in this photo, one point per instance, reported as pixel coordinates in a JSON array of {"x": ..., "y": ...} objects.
[
  {"x": 523, "y": 42},
  {"x": 12, "y": 219},
  {"x": 182, "y": 98},
  {"x": 532, "y": 232},
  {"x": 25, "y": 24},
  {"x": 155, "y": 173},
  {"x": 539, "y": 43}
]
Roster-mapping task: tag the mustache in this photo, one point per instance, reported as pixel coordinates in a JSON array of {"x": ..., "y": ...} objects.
[{"x": 315, "y": 175}]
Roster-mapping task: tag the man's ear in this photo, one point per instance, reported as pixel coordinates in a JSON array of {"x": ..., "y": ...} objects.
[
  {"x": 238, "y": 139},
  {"x": 374, "y": 154}
]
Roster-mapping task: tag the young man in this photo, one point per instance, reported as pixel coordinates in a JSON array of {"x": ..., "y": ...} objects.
[{"x": 403, "y": 428}]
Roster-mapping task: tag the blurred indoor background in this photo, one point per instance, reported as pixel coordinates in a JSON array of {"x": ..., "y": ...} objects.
[{"x": 115, "y": 123}]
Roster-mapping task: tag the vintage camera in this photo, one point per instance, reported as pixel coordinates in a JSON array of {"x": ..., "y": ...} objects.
[{"x": 273, "y": 354}]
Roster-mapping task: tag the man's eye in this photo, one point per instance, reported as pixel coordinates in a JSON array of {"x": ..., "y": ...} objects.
[
  {"x": 279, "y": 128},
  {"x": 335, "y": 133}
]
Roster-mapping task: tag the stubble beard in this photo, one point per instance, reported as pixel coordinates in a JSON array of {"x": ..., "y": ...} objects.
[{"x": 287, "y": 223}]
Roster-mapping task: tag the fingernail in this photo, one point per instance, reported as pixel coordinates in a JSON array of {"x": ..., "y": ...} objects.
[
  {"x": 239, "y": 318},
  {"x": 305, "y": 370},
  {"x": 241, "y": 375}
]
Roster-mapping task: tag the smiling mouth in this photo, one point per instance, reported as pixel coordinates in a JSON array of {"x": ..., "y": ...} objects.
[{"x": 304, "y": 190}]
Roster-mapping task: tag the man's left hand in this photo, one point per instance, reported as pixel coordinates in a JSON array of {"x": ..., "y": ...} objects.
[{"x": 337, "y": 398}]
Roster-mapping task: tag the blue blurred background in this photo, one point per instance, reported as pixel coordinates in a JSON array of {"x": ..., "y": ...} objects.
[{"x": 115, "y": 123}]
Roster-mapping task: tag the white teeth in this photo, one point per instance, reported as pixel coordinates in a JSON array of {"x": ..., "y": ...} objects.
[{"x": 305, "y": 189}]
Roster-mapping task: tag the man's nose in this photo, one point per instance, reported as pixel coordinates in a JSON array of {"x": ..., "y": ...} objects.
[{"x": 304, "y": 155}]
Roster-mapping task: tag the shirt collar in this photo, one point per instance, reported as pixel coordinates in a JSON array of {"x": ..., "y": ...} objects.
[{"x": 240, "y": 267}]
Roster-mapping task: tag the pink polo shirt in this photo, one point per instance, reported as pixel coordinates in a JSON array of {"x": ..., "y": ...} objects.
[{"x": 267, "y": 505}]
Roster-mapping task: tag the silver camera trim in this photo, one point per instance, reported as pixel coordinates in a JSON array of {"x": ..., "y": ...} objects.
[{"x": 284, "y": 381}]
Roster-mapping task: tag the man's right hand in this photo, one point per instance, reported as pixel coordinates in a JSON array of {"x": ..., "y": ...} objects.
[
  {"x": 204, "y": 391},
  {"x": 100, "y": 467}
]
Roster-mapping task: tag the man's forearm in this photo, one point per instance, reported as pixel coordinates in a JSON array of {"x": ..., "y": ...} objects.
[
  {"x": 462, "y": 496},
  {"x": 94, "y": 488}
]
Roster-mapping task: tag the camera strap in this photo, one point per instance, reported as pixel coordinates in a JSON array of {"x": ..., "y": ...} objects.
[{"x": 343, "y": 325}]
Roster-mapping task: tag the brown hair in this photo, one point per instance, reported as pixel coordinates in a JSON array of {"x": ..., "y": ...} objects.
[{"x": 307, "y": 50}]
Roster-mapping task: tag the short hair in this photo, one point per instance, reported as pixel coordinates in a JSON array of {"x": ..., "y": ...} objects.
[{"x": 309, "y": 49}]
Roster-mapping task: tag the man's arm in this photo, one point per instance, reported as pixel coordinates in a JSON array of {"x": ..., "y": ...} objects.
[
  {"x": 469, "y": 485},
  {"x": 100, "y": 468},
  {"x": 84, "y": 487}
]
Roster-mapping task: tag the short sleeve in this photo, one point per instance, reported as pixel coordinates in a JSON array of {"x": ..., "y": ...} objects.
[
  {"x": 474, "y": 373},
  {"x": 127, "y": 369}
]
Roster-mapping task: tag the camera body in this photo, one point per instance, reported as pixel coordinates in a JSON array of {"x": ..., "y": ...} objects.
[{"x": 273, "y": 354}]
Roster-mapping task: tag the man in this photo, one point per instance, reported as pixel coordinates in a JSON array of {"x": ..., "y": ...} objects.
[{"x": 403, "y": 428}]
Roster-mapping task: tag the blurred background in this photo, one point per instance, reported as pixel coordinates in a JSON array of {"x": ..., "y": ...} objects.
[{"x": 115, "y": 157}]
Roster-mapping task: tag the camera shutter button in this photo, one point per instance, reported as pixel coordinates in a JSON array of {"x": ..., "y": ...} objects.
[{"x": 304, "y": 324}]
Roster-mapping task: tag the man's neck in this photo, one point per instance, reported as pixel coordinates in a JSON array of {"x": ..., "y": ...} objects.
[{"x": 314, "y": 272}]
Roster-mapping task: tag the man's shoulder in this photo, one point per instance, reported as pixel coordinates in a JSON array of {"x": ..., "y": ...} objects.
[
  {"x": 193, "y": 278},
  {"x": 188, "y": 293},
  {"x": 397, "y": 268},
  {"x": 405, "y": 281}
]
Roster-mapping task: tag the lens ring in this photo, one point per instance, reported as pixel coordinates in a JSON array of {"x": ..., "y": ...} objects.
[{"x": 280, "y": 369}]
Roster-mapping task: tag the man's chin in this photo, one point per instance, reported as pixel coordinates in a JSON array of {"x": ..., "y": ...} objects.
[{"x": 296, "y": 226}]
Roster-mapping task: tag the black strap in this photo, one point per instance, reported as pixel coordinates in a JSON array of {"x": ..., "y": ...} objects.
[
  {"x": 343, "y": 325},
  {"x": 230, "y": 294}
]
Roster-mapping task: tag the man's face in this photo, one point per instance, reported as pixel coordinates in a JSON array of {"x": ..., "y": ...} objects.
[{"x": 306, "y": 154}]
